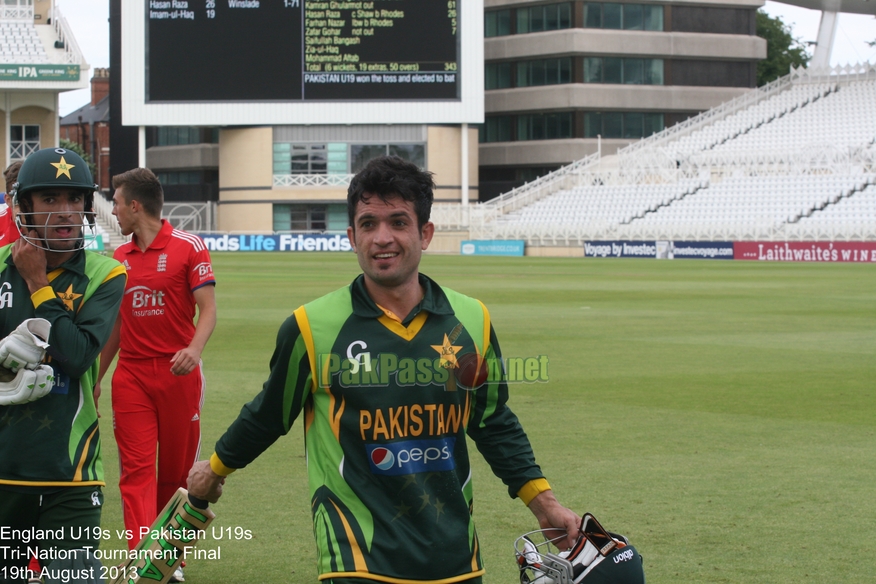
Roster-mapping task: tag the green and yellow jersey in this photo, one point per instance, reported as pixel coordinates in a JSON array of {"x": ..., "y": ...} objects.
[
  {"x": 385, "y": 424},
  {"x": 54, "y": 441}
]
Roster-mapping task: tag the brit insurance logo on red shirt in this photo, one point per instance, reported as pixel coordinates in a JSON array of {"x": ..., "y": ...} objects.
[
  {"x": 204, "y": 270},
  {"x": 145, "y": 301}
]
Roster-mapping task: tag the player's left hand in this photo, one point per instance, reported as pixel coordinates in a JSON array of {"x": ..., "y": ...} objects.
[
  {"x": 96, "y": 394},
  {"x": 185, "y": 361},
  {"x": 203, "y": 483},
  {"x": 550, "y": 514}
]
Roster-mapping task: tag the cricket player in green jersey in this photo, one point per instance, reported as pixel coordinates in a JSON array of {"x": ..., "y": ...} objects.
[
  {"x": 374, "y": 369},
  {"x": 57, "y": 308}
]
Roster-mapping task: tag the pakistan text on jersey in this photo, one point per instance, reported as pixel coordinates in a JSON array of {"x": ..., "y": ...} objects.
[
  {"x": 367, "y": 372},
  {"x": 392, "y": 423}
]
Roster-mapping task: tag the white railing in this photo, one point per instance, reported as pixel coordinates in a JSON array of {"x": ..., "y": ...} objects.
[
  {"x": 456, "y": 216},
  {"x": 312, "y": 180},
  {"x": 459, "y": 217},
  {"x": 837, "y": 74},
  {"x": 806, "y": 159},
  {"x": 72, "y": 53},
  {"x": 21, "y": 11},
  {"x": 196, "y": 217},
  {"x": 562, "y": 178},
  {"x": 800, "y": 75},
  {"x": 104, "y": 211},
  {"x": 741, "y": 102}
]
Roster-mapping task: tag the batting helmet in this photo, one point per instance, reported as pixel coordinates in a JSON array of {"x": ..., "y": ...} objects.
[
  {"x": 52, "y": 168},
  {"x": 598, "y": 557}
]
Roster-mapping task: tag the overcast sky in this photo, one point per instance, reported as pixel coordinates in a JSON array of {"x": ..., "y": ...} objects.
[{"x": 89, "y": 20}]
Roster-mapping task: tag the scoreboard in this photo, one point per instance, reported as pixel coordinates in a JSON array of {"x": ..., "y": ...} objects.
[
  {"x": 302, "y": 49},
  {"x": 292, "y": 61}
]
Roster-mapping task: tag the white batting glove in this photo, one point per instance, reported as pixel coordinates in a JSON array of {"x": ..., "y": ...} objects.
[
  {"x": 27, "y": 386},
  {"x": 26, "y": 345}
]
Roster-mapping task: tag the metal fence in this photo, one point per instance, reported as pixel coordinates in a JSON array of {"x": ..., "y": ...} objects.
[{"x": 194, "y": 217}]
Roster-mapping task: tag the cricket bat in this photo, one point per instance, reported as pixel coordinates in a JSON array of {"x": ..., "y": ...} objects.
[{"x": 171, "y": 537}]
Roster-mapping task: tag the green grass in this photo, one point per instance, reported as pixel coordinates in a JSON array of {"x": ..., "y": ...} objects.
[{"x": 720, "y": 414}]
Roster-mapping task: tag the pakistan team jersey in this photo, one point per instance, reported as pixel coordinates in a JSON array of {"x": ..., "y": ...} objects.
[
  {"x": 54, "y": 441},
  {"x": 385, "y": 425},
  {"x": 158, "y": 310}
]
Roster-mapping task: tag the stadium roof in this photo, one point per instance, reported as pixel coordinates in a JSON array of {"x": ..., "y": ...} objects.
[
  {"x": 89, "y": 113},
  {"x": 853, "y": 6}
]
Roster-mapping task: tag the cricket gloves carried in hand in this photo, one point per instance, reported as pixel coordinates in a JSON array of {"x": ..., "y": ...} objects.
[
  {"x": 27, "y": 385},
  {"x": 26, "y": 346}
]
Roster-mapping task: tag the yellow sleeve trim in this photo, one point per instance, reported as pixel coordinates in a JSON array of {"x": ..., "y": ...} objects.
[
  {"x": 219, "y": 467},
  {"x": 115, "y": 272},
  {"x": 304, "y": 326},
  {"x": 42, "y": 295},
  {"x": 530, "y": 490}
]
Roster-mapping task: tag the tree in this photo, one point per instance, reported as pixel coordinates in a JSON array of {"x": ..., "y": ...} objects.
[
  {"x": 783, "y": 50},
  {"x": 78, "y": 149}
]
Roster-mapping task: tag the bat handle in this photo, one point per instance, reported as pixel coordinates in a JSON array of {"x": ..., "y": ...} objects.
[{"x": 199, "y": 503}]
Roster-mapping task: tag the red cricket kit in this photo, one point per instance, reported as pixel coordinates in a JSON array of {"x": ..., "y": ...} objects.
[
  {"x": 8, "y": 229},
  {"x": 154, "y": 411}
]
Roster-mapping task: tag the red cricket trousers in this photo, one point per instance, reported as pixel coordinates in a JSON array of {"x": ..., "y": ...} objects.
[{"x": 156, "y": 416}]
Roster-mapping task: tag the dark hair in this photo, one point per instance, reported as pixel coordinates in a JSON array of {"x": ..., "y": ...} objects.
[
  {"x": 143, "y": 186},
  {"x": 11, "y": 174},
  {"x": 388, "y": 176}
]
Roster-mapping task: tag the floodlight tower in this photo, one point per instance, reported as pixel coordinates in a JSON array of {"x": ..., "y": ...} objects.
[{"x": 830, "y": 10}]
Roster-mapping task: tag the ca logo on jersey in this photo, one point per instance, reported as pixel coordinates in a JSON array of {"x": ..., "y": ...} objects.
[
  {"x": 363, "y": 359},
  {"x": 6, "y": 295}
]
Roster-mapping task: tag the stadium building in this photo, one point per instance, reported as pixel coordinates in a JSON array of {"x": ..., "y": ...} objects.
[
  {"x": 566, "y": 79},
  {"x": 39, "y": 59}
]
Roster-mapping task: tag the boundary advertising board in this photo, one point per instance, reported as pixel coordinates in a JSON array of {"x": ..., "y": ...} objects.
[
  {"x": 769, "y": 251},
  {"x": 805, "y": 251},
  {"x": 503, "y": 247},
  {"x": 281, "y": 242}
]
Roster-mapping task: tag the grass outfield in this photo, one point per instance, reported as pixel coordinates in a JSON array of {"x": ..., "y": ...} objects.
[{"x": 719, "y": 413}]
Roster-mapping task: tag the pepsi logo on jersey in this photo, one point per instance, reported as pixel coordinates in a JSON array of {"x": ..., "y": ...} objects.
[{"x": 411, "y": 456}]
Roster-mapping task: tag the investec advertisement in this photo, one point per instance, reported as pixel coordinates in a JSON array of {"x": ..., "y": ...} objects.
[
  {"x": 765, "y": 251},
  {"x": 620, "y": 249},
  {"x": 664, "y": 250},
  {"x": 282, "y": 242}
]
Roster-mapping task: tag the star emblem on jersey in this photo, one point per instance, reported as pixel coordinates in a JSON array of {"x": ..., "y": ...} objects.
[
  {"x": 448, "y": 353},
  {"x": 68, "y": 297},
  {"x": 45, "y": 423},
  {"x": 63, "y": 168}
]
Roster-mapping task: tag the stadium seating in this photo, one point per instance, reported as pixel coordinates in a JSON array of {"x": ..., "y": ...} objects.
[
  {"x": 20, "y": 43},
  {"x": 792, "y": 161}
]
